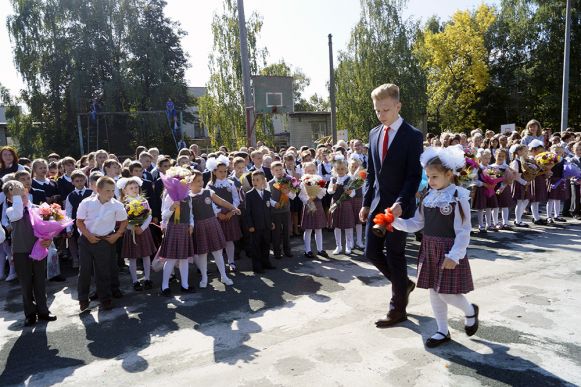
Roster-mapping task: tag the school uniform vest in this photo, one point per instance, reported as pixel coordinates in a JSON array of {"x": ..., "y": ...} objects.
[
  {"x": 340, "y": 188},
  {"x": 23, "y": 238},
  {"x": 202, "y": 206},
  {"x": 439, "y": 222},
  {"x": 224, "y": 192},
  {"x": 184, "y": 212},
  {"x": 275, "y": 195},
  {"x": 75, "y": 199}
]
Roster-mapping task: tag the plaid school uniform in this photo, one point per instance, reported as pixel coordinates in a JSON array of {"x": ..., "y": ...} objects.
[
  {"x": 208, "y": 235},
  {"x": 177, "y": 242}
]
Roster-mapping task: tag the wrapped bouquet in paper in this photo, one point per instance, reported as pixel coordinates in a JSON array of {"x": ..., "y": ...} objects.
[
  {"x": 137, "y": 213},
  {"x": 530, "y": 169},
  {"x": 547, "y": 160},
  {"x": 175, "y": 182},
  {"x": 47, "y": 222},
  {"x": 356, "y": 182},
  {"x": 468, "y": 174},
  {"x": 570, "y": 171},
  {"x": 287, "y": 182},
  {"x": 491, "y": 176},
  {"x": 508, "y": 176},
  {"x": 313, "y": 185}
]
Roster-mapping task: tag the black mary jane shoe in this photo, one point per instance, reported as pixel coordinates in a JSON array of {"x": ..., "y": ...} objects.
[
  {"x": 46, "y": 317},
  {"x": 30, "y": 321},
  {"x": 137, "y": 286},
  {"x": 433, "y": 343},
  {"x": 189, "y": 289},
  {"x": 309, "y": 254},
  {"x": 323, "y": 253},
  {"x": 165, "y": 292},
  {"x": 471, "y": 330}
]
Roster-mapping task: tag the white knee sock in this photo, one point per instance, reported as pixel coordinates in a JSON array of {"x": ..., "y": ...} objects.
[
  {"x": 557, "y": 206},
  {"x": 337, "y": 233},
  {"x": 535, "y": 210},
  {"x": 201, "y": 261},
  {"x": 521, "y": 205},
  {"x": 133, "y": 270},
  {"x": 12, "y": 268},
  {"x": 219, "y": 259},
  {"x": 460, "y": 302},
  {"x": 167, "y": 272},
  {"x": 489, "y": 221},
  {"x": 550, "y": 208},
  {"x": 230, "y": 251},
  {"x": 349, "y": 238},
  {"x": 505, "y": 216},
  {"x": 307, "y": 239},
  {"x": 440, "y": 309},
  {"x": 495, "y": 216},
  {"x": 359, "y": 232},
  {"x": 146, "y": 267},
  {"x": 319, "y": 239},
  {"x": 480, "y": 218},
  {"x": 184, "y": 273}
]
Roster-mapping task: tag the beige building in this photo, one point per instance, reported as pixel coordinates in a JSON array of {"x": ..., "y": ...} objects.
[{"x": 301, "y": 128}]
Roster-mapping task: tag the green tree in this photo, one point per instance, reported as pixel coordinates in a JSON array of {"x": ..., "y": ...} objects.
[
  {"x": 380, "y": 51},
  {"x": 222, "y": 109},
  {"x": 125, "y": 54},
  {"x": 456, "y": 60},
  {"x": 526, "y": 63}
]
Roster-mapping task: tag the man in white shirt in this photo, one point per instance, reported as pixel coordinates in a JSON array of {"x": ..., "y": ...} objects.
[{"x": 97, "y": 218}]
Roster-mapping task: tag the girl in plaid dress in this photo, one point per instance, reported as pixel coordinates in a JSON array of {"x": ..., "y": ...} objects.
[
  {"x": 519, "y": 187},
  {"x": 208, "y": 235},
  {"x": 342, "y": 216},
  {"x": 227, "y": 190},
  {"x": 444, "y": 216},
  {"x": 313, "y": 220},
  {"x": 137, "y": 240},
  {"x": 503, "y": 194}
]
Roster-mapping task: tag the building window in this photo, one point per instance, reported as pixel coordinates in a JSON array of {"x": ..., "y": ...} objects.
[{"x": 319, "y": 129}]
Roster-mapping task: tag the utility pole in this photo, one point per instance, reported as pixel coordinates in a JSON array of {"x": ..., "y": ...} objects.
[
  {"x": 248, "y": 104},
  {"x": 565, "y": 95},
  {"x": 332, "y": 91}
]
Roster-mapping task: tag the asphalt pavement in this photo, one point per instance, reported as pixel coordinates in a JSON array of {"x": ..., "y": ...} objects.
[{"x": 311, "y": 322}]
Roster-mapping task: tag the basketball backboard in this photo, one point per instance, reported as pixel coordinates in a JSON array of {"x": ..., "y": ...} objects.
[{"x": 272, "y": 94}]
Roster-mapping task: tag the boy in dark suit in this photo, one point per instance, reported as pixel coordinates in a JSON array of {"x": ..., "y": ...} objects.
[
  {"x": 257, "y": 159},
  {"x": 258, "y": 222},
  {"x": 72, "y": 201}
]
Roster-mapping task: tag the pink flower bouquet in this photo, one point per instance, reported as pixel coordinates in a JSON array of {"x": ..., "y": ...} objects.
[
  {"x": 47, "y": 222},
  {"x": 176, "y": 183},
  {"x": 491, "y": 176}
]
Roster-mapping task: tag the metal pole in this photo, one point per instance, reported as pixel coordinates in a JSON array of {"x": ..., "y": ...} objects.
[
  {"x": 248, "y": 106},
  {"x": 332, "y": 91},
  {"x": 565, "y": 95},
  {"x": 81, "y": 147}
]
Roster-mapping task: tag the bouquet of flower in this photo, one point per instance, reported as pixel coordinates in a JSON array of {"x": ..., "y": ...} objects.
[
  {"x": 469, "y": 173},
  {"x": 356, "y": 182},
  {"x": 508, "y": 176},
  {"x": 570, "y": 171},
  {"x": 313, "y": 185},
  {"x": 175, "y": 182},
  {"x": 47, "y": 222},
  {"x": 491, "y": 176},
  {"x": 530, "y": 169},
  {"x": 287, "y": 182},
  {"x": 383, "y": 223},
  {"x": 547, "y": 160},
  {"x": 137, "y": 213}
]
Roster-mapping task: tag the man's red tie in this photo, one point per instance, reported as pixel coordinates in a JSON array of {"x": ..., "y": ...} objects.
[{"x": 385, "y": 141}]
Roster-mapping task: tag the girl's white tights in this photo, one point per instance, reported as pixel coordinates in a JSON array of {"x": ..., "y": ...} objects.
[
  {"x": 168, "y": 271},
  {"x": 348, "y": 237},
  {"x": 230, "y": 251},
  {"x": 440, "y": 303},
  {"x": 146, "y": 268},
  {"x": 201, "y": 261},
  {"x": 521, "y": 205},
  {"x": 318, "y": 239},
  {"x": 553, "y": 208}
]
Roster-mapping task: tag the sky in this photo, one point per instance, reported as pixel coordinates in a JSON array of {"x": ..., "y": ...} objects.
[{"x": 295, "y": 31}]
